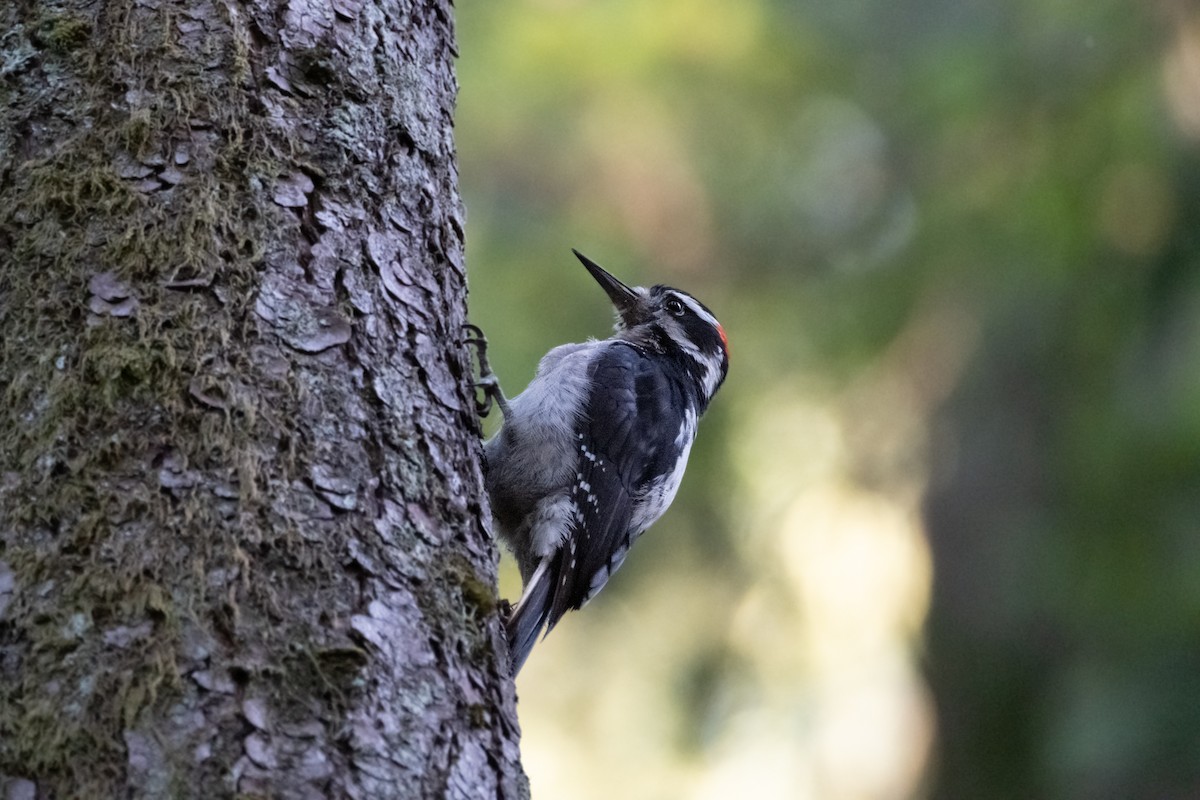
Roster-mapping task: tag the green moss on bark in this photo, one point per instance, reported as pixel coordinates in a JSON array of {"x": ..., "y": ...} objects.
[{"x": 90, "y": 399}]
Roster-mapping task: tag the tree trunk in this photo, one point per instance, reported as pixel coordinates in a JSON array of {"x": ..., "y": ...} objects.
[{"x": 241, "y": 548}]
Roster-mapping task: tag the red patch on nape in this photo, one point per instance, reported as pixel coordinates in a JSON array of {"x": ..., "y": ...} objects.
[{"x": 724, "y": 339}]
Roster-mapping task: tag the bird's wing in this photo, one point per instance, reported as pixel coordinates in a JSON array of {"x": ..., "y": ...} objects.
[{"x": 627, "y": 436}]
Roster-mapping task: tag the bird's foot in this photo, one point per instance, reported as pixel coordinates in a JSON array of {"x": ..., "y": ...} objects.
[{"x": 488, "y": 383}]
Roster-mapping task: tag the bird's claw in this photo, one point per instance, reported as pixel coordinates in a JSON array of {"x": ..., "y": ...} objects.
[{"x": 488, "y": 383}]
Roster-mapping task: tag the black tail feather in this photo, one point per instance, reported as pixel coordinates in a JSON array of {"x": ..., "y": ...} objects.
[{"x": 529, "y": 617}]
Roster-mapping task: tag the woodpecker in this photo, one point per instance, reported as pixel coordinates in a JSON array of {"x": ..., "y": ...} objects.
[{"x": 591, "y": 454}]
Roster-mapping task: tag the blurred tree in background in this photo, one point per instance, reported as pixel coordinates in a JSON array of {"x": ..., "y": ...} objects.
[{"x": 941, "y": 532}]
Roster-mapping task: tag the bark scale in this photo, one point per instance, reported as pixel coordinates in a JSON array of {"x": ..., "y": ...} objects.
[{"x": 241, "y": 538}]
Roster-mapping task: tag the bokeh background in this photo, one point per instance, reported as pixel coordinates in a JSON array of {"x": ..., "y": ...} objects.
[{"x": 940, "y": 536}]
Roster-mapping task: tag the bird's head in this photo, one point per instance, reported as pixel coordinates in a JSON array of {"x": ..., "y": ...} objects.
[{"x": 671, "y": 321}]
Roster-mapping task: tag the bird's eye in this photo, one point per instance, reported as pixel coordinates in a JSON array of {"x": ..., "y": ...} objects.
[{"x": 674, "y": 307}]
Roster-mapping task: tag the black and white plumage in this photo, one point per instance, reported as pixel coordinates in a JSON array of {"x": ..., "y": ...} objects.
[{"x": 592, "y": 452}]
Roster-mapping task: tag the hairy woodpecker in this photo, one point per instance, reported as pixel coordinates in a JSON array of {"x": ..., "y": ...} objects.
[{"x": 592, "y": 452}]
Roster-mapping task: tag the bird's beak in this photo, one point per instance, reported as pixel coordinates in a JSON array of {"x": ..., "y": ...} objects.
[{"x": 627, "y": 302}]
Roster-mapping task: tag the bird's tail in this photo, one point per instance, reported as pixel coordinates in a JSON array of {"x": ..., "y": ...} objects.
[{"x": 529, "y": 616}]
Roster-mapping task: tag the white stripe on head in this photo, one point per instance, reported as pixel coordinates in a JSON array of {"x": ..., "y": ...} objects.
[
  {"x": 699, "y": 310},
  {"x": 707, "y": 361}
]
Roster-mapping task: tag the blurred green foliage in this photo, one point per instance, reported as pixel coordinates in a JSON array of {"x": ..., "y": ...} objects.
[{"x": 994, "y": 207}]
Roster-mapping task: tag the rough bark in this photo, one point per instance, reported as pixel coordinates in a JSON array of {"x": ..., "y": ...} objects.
[{"x": 241, "y": 548}]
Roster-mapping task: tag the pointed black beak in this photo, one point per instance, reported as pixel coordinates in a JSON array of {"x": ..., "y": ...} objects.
[{"x": 625, "y": 300}]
